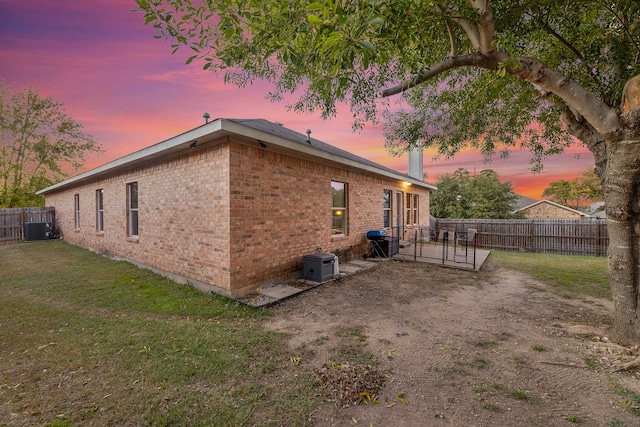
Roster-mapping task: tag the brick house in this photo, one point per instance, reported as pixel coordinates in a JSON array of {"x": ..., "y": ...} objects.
[
  {"x": 546, "y": 209},
  {"x": 234, "y": 204}
]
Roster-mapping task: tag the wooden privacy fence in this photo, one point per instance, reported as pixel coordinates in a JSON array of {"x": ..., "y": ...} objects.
[
  {"x": 12, "y": 221},
  {"x": 558, "y": 236}
]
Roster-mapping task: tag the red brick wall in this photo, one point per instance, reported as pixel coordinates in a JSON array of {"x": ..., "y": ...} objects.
[
  {"x": 183, "y": 216},
  {"x": 281, "y": 211},
  {"x": 232, "y": 216},
  {"x": 549, "y": 211}
]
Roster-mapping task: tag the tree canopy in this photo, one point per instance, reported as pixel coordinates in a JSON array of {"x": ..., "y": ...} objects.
[
  {"x": 474, "y": 66},
  {"x": 39, "y": 144},
  {"x": 577, "y": 192},
  {"x": 490, "y": 74},
  {"x": 462, "y": 195}
]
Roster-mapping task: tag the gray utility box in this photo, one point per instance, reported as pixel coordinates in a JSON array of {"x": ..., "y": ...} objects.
[
  {"x": 318, "y": 267},
  {"x": 37, "y": 231}
]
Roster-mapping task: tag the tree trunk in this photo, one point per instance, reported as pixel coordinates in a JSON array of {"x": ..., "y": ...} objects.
[{"x": 621, "y": 185}]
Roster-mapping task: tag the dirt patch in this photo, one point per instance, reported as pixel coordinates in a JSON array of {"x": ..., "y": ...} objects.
[{"x": 493, "y": 347}]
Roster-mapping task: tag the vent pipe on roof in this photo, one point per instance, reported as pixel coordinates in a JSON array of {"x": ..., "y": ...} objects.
[
  {"x": 206, "y": 117},
  {"x": 309, "y": 136}
]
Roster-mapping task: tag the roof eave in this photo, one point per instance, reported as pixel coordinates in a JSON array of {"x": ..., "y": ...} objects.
[{"x": 215, "y": 130}]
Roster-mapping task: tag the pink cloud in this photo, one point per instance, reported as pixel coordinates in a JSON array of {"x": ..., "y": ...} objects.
[{"x": 103, "y": 64}]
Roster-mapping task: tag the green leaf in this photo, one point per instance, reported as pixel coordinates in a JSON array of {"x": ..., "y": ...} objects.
[
  {"x": 143, "y": 4},
  {"x": 376, "y": 21},
  {"x": 315, "y": 6},
  {"x": 314, "y": 20},
  {"x": 367, "y": 45},
  {"x": 191, "y": 58},
  {"x": 150, "y": 17}
]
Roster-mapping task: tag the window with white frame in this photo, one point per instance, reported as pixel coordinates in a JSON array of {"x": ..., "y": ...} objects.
[
  {"x": 386, "y": 209},
  {"x": 132, "y": 209},
  {"x": 76, "y": 208},
  {"x": 338, "y": 208},
  {"x": 411, "y": 209},
  {"x": 99, "y": 211}
]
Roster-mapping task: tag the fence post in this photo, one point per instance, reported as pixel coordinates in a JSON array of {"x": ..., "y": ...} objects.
[{"x": 23, "y": 215}]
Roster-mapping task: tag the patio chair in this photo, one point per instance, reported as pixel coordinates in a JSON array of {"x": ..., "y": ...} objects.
[
  {"x": 443, "y": 235},
  {"x": 467, "y": 239}
]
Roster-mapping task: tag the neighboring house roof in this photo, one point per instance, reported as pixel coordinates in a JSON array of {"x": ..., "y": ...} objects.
[
  {"x": 598, "y": 215},
  {"x": 557, "y": 205},
  {"x": 259, "y": 132},
  {"x": 522, "y": 202}
]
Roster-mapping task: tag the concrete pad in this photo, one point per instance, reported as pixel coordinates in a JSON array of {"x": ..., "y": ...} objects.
[
  {"x": 280, "y": 291},
  {"x": 349, "y": 269},
  {"x": 362, "y": 264}
]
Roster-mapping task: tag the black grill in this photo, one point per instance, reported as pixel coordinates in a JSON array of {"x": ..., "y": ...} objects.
[{"x": 376, "y": 235}]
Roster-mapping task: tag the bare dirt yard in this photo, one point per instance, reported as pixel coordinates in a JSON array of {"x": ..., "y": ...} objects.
[{"x": 458, "y": 348}]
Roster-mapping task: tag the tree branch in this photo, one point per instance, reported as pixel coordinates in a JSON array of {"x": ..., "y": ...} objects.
[
  {"x": 568, "y": 45},
  {"x": 580, "y": 129},
  {"x": 452, "y": 38},
  {"x": 446, "y": 65},
  {"x": 486, "y": 27},
  {"x": 624, "y": 25},
  {"x": 472, "y": 32},
  {"x": 481, "y": 33},
  {"x": 599, "y": 115}
]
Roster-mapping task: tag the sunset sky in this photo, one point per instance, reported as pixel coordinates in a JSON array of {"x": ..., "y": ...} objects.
[{"x": 98, "y": 59}]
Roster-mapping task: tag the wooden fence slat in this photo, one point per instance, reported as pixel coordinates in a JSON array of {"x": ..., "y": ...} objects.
[{"x": 569, "y": 237}]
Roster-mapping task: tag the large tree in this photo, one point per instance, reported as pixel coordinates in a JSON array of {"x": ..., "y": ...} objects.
[
  {"x": 492, "y": 74},
  {"x": 462, "y": 195},
  {"x": 39, "y": 144}
]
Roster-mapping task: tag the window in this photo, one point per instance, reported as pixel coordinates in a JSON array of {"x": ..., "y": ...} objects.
[
  {"x": 132, "y": 209},
  {"x": 338, "y": 208},
  {"x": 99, "y": 211},
  {"x": 411, "y": 209},
  {"x": 76, "y": 208},
  {"x": 407, "y": 209},
  {"x": 386, "y": 209}
]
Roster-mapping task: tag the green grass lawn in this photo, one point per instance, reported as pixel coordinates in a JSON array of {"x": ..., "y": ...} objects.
[
  {"x": 85, "y": 340},
  {"x": 88, "y": 340},
  {"x": 571, "y": 276}
]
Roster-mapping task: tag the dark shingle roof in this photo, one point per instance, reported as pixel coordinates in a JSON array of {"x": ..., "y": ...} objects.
[
  {"x": 523, "y": 202},
  {"x": 283, "y": 132}
]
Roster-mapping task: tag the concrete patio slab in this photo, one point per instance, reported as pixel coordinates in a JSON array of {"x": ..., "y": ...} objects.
[
  {"x": 280, "y": 291},
  {"x": 447, "y": 256}
]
